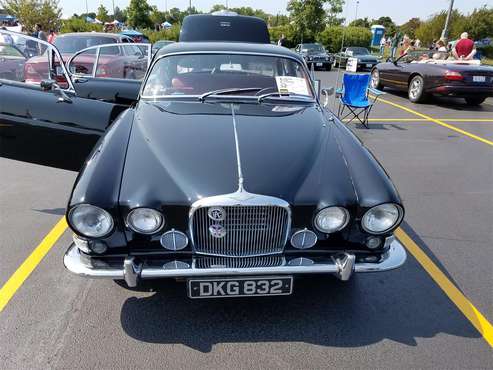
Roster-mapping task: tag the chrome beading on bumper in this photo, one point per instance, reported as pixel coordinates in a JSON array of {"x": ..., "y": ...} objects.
[{"x": 341, "y": 265}]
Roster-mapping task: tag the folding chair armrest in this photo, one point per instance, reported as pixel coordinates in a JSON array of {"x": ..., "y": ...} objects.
[{"x": 376, "y": 92}]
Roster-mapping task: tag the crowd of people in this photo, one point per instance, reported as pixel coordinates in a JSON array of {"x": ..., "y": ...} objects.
[{"x": 463, "y": 49}]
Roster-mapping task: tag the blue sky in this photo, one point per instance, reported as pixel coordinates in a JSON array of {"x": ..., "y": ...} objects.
[{"x": 399, "y": 10}]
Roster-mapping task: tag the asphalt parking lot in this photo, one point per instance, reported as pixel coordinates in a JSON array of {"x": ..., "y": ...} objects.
[{"x": 440, "y": 156}]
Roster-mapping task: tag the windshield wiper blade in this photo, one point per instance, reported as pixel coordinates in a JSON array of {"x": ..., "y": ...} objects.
[
  {"x": 227, "y": 91},
  {"x": 283, "y": 94}
]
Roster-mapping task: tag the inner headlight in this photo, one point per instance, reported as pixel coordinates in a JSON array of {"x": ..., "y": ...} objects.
[
  {"x": 90, "y": 221},
  {"x": 145, "y": 220},
  {"x": 382, "y": 218},
  {"x": 331, "y": 219}
]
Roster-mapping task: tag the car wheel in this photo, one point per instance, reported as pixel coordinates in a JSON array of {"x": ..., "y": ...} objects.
[
  {"x": 476, "y": 100},
  {"x": 375, "y": 80},
  {"x": 415, "y": 91}
]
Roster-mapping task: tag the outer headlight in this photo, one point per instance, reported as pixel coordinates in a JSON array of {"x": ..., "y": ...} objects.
[
  {"x": 331, "y": 219},
  {"x": 90, "y": 221},
  {"x": 145, "y": 220},
  {"x": 382, "y": 218}
]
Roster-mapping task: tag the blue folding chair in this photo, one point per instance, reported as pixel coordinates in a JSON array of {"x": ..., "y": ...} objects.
[{"x": 354, "y": 96}]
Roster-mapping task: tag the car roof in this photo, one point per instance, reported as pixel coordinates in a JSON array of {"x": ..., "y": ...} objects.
[
  {"x": 97, "y": 34},
  {"x": 236, "y": 47}
]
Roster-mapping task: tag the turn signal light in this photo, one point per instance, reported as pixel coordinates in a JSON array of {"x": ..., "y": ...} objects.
[{"x": 453, "y": 76}]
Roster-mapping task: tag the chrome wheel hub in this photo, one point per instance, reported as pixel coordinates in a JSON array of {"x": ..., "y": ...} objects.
[{"x": 415, "y": 88}]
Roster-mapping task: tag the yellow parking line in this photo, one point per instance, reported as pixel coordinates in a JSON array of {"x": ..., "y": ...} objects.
[
  {"x": 30, "y": 263},
  {"x": 438, "y": 122},
  {"x": 463, "y": 304},
  {"x": 427, "y": 120}
]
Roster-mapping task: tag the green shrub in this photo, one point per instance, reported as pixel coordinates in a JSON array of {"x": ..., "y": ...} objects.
[
  {"x": 172, "y": 34},
  {"x": 332, "y": 37},
  {"x": 487, "y": 51},
  {"x": 289, "y": 33},
  {"x": 79, "y": 25}
]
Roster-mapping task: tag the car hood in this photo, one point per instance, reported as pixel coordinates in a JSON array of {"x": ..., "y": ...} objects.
[
  {"x": 366, "y": 57},
  {"x": 179, "y": 152}
]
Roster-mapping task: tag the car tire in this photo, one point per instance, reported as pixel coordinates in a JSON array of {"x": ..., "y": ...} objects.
[
  {"x": 476, "y": 100},
  {"x": 416, "y": 91},
  {"x": 375, "y": 81}
]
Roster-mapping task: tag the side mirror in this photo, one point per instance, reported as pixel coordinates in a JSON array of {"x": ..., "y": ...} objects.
[
  {"x": 326, "y": 93},
  {"x": 50, "y": 85},
  {"x": 316, "y": 85},
  {"x": 47, "y": 85}
]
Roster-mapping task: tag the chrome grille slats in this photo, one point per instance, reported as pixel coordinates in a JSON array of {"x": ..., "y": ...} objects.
[
  {"x": 248, "y": 262},
  {"x": 251, "y": 229}
]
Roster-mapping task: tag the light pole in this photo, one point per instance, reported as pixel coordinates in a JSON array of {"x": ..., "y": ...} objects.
[
  {"x": 357, "y": 4},
  {"x": 447, "y": 21},
  {"x": 87, "y": 8}
]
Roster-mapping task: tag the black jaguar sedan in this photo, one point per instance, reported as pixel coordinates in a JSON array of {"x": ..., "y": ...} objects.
[
  {"x": 225, "y": 171},
  {"x": 365, "y": 60}
]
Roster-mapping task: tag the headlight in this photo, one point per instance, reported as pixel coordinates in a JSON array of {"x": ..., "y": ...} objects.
[
  {"x": 382, "y": 218},
  {"x": 145, "y": 220},
  {"x": 90, "y": 221},
  {"x": 331, "y": 219}
]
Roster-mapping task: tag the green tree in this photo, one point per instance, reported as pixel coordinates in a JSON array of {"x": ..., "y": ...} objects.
[
  {"x": 138, "y": 14},
  {"x": 157, "y": 16},
  {"x": 119, "y": 15},
  {"x": 333, "y": 36},
  {"x": 479, "y": 24},
  {"x": 361, "y": 22},
  {"x": 335, "y": 9},
  {"x": 102, "y": 14},
  {"x": 388, "y": 23},
  {"x": 308, "y": 17},
  {"x": 30, "y": 12},
  {"x": 431, "y": 29},
  {"x": 79, "y": 24},
  {"x": 409, "y": 28}
]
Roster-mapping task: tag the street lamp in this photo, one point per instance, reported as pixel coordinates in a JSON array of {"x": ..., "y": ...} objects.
[
  {"x": 447, "y": 21},
  {"x": 357, "y": 4}
]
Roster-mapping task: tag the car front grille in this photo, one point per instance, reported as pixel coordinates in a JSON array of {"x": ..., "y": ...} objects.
[
  {"x": 244, "y": 230},
  {"x": 248, "y": 262}
]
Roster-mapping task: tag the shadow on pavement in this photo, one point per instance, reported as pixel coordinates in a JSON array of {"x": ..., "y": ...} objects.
[{"x": 400, "y": 305}]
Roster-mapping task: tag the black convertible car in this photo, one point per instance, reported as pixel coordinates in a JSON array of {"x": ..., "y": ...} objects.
[
  {"x": 222, "y": 168},
  {"x": 425, "y": 73},
  {"x": 365, "y": 60}
]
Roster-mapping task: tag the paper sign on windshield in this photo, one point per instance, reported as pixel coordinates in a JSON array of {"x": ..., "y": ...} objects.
[{"x": 292, "y": 85}]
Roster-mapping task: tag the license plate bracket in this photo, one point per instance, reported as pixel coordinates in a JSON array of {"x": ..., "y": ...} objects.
[
  {"x": 249, "y": 286},
  {"x": 479, "y": 78}
]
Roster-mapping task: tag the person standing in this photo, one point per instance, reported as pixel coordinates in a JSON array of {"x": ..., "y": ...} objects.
[
  {"x": 395, "y": 44},
  {"x": 383, "y": 42},
  {"x": 417, "y": 43},
  {"x": 5, "y": 37},
  {"x": 40, "y": 34},
  {"x": 52, "y": 36},
  {"x": 464, "y": 48},
  {"x": 282, "y": 41}
]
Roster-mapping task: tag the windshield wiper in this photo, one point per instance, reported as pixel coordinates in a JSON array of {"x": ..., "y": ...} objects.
[
  {"x": 280, "y": 95},
  {"x": 227, "y": 91}
]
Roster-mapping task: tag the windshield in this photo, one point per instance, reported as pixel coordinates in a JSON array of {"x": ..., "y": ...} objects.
[
  {"x": 10, "y": 51},
  {"x": 358, "y": 51},
  {"x": 196, "y": 74},
  {"x": 72, "y": 44},
  {"x": 313, "y": 48},
  {"x": 424, "y": 56}
]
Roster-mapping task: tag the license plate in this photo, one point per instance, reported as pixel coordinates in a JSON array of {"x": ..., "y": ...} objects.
[
  {"x": 320, "y": 64},
  {"x": 479, "y": 78},
  {"x": 368, "y": 66},
  {"x": 240, "y": 287}
]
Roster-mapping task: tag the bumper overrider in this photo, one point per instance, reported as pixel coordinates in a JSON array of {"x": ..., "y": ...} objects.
[{"x": 132, "y": 269}]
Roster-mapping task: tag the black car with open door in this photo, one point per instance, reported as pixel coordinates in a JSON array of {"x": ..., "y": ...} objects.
[{"x": 225, "y": 169}]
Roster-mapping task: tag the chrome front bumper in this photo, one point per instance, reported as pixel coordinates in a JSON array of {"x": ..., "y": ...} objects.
[{"x": 341, "y": 265}]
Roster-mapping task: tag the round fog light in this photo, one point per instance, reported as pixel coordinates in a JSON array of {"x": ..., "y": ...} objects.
[
  {"x": 97, "y": 246},
  {"x": 373, "y": 242},
  {"x": 174, "y": 240},
  {"x": 303, "y": 239}
]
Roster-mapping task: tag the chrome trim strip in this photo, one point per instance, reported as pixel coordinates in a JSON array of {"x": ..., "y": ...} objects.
[
  {"x": 237, "y": 145},
  {"x": 76, "y": 263}
]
